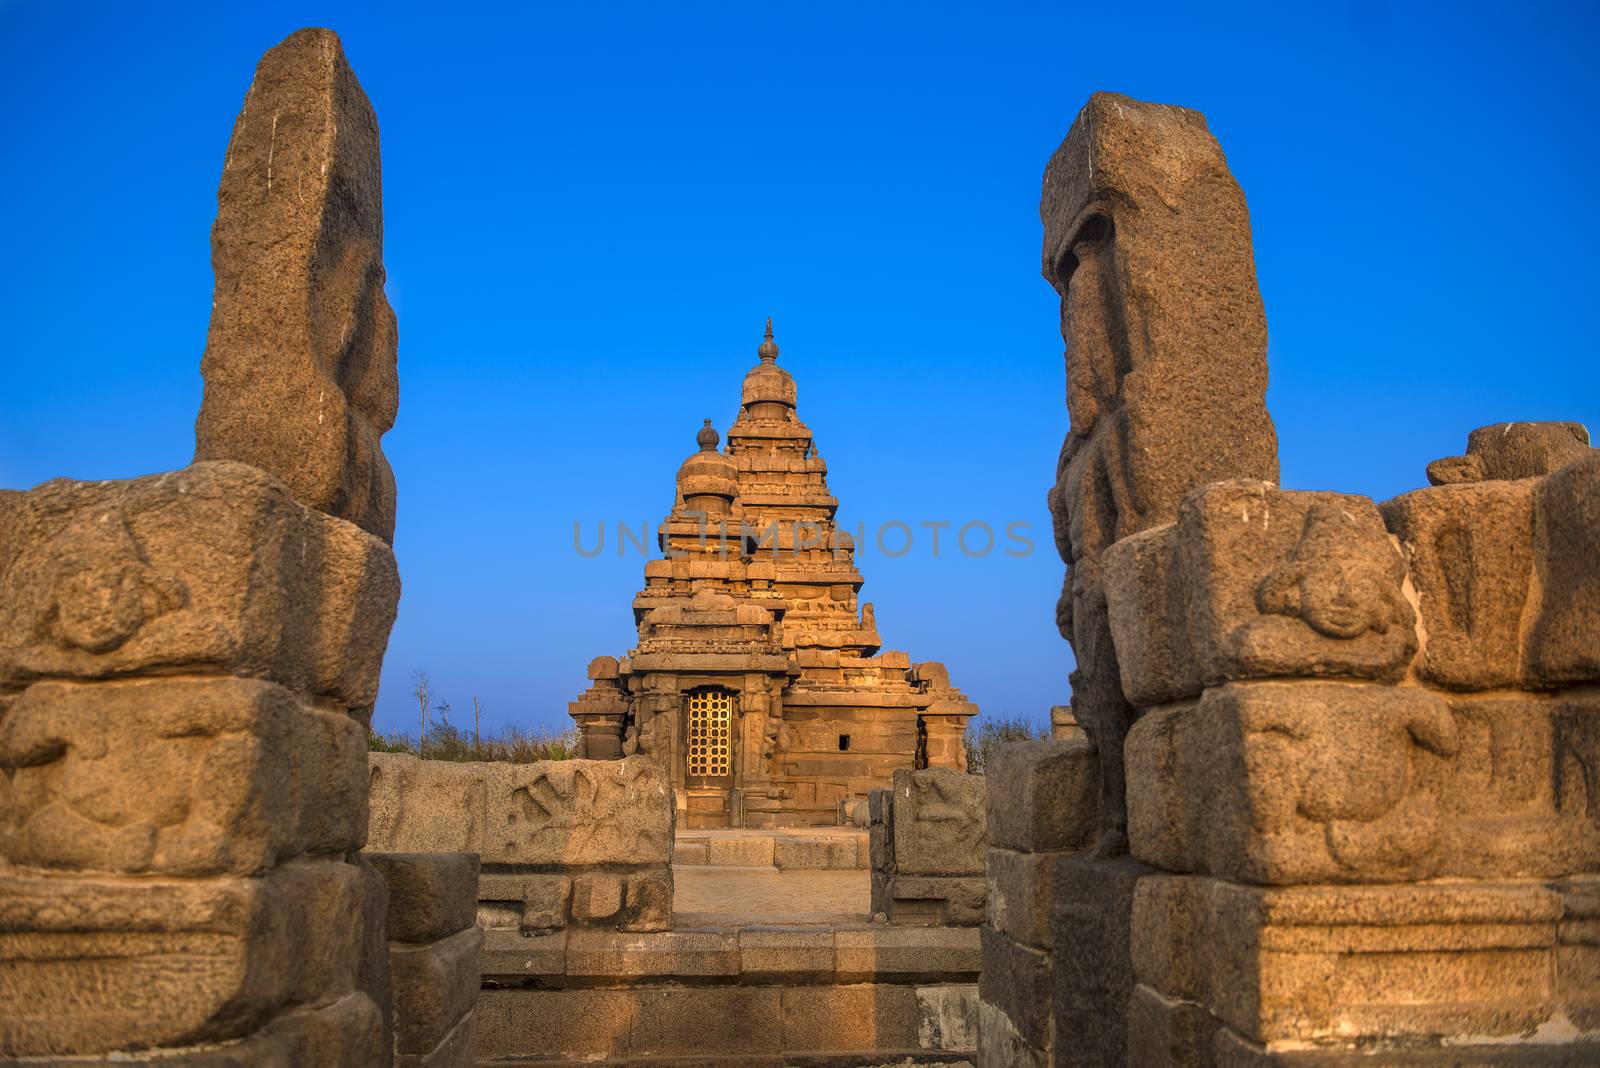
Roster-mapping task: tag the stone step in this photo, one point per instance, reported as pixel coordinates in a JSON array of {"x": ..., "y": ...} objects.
[
  {"x": 883, "y": 1058},
  {"x": 818, "y": 1026},
  {"x": 791, "y": 851},
  {"x": 845, "y": 953},
  {"x": 843, "y": 996}
]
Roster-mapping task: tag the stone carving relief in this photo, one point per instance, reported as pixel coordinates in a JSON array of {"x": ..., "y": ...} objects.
[
  {"x": 1165, "y": 365},
  {"x": 567, "y": 812},
  {"x": 939, "y": 822},
  {"x": 1289, "y": 583},
  {"x": 1337, "y": 586},
  {"x": 1286, "y": 782},
  {"x": 111, "y": 579},
  {"x": 190, "y": 778},
  {"x": 1469, "y": 552}
]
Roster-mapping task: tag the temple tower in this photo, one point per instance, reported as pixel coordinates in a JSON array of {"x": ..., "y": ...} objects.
[{"x": 757, "y": 680}]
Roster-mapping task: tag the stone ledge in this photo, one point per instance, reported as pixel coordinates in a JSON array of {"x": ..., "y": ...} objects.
[
  {"x": 751, "y": 955},
  {"x": 888, "y": 1058},
  {"x": 668, "y": 1024},
  {"x": 803, "y": 849}
]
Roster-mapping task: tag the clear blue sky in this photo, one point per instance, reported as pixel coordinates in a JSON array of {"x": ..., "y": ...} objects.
[{"x": 591, "y": 209}]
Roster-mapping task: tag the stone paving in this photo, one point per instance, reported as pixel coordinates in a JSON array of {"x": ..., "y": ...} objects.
[{"x": 728, "y": 896}]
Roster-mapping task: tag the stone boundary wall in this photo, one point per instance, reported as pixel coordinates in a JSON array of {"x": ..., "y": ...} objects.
[
  {"x": 434, "y": 953},
  {"x": 1042, "y": 806},
  {"x": 562, "y": 842},
  {"x": 927, "y": 841},
  {"x": 776, "y": 849}
]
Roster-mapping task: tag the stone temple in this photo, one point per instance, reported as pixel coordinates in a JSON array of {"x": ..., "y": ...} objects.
[
  {"x": 1328, "y": 795},
  {"x": 757, "y": 681}
]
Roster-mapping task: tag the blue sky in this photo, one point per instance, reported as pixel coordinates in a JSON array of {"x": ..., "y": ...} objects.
[{"x": 592, "y": 208}]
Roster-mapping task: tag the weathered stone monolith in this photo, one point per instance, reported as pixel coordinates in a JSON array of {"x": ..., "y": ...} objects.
[
  {"x": 300, "y": 373},
  {"x": 1147, "y": 240},
  {"x": 189, "y": 660}
]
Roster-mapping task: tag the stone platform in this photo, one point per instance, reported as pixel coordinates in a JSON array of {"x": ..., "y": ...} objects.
[
  {"x": 834, "y": 996},
  {"x": 790, "y": 849}
]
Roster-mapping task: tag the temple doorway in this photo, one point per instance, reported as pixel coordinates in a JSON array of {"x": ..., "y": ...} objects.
[{"x": 708, "y": 756}]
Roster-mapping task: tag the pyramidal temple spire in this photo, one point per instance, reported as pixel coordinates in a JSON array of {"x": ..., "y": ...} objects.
[{"x": 769, "y": 348}]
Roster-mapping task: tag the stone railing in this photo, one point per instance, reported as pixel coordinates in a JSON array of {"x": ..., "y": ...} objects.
[{"x": 564, "y": 842}]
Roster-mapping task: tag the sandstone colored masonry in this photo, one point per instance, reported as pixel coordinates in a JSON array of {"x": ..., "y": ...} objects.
[
  {"x": 300, "y": 374},
  {"x": 846, "y": 996},
  {"x": 562, "y": 843},
  {"x": 1042, "y": 805},
  {"x": 757, "y": 683},
  {"x": 927, "y": 840},
  {"x": 1363, "y": 773},
  {"x": 434, "y": 956},
  {"x": 1147, "y": 240},
  {"x": 188, "y": 664}
]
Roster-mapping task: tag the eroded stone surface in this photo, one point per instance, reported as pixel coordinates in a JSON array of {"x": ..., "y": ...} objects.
[
  {"x": 91, "y": 965},
  {"x": 1564, "y": 642},
  {"x": 1043, "y": 796},
  {"x": 563, "y": 812},
  {"x": 1147, "y": 240},
  {"x": 1469, "y": 549},
  {"x": 1331, "y": 782},
  {"x": 300, "y": 369},
  {"x": 1507, "y": 451},
  {"x": 938, "y": 822},
  {"x": 213, "y": 568},
  {"x": 431, "y": 895},
  {"x": 1341, "y": 964}
]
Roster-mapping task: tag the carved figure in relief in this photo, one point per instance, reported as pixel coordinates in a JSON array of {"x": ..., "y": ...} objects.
[
  {"x": 103, "y": 591},
  {"x": 1335, "y": 607},
  {"x": 1333, "y": 584}
]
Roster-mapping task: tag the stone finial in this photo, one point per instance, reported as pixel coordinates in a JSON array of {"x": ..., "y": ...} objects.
[
  {"x": 769, "y": 348},
  {"x": 708, "y": 437},
  {"x": 300, "y": 370}
]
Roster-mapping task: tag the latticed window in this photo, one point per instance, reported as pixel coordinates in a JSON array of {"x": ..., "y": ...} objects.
[{"x": 710, "y": 734}]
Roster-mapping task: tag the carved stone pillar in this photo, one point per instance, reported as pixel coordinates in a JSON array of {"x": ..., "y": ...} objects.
[
  {"x": 188, "y": 663},
  {"x": 189, "y": 660}
]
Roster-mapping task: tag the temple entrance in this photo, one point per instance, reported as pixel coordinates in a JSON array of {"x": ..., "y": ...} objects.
[{"x": 708, "y": 756}]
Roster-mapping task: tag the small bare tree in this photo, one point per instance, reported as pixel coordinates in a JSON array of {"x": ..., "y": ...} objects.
[
  {"x": 477, "y": 711},
  {"x": 423, "y": 692}
]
